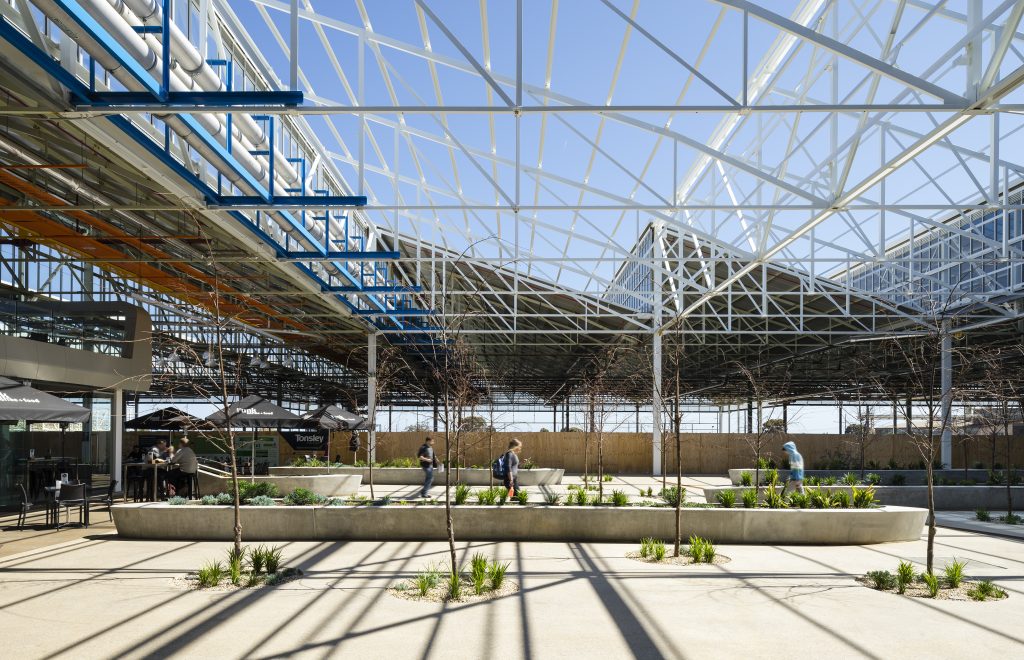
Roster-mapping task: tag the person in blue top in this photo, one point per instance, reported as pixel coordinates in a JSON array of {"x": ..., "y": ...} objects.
[{"x": 796, "y": 467}]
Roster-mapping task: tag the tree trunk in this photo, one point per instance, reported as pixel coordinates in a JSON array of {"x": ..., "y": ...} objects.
[
  {"x": 1009, "y": 464},
  {"x": 931, "y": 517},
  {"x": 679, "y": 474},
  {"x": 234, "y": 489},
  {"x": 450, "y": 527}
]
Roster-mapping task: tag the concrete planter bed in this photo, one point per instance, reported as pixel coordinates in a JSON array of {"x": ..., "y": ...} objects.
[
  {"x": 947, "y": 498},
  {"x": 391, "y": 476},
  {"x": 911, "y": 477},
  {"x": 158, "y": 520},
  {"x": 334, "y": 485}
]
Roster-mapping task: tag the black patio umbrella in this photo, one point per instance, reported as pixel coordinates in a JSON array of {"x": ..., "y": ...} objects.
[
  {"x": 254, "y": 412},
  {"x": 19, "y": 401},
  {"x": 167, "y": 419},
  {"x": 334, "y": 418}
]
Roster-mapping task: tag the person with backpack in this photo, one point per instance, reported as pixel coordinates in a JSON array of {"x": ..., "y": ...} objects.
[
  {"x": 428, "y": 461},
  {"x": 510, "y": 465}
]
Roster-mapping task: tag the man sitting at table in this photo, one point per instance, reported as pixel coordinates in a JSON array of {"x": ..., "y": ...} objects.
[
  {"x": 157, "y": 453},
  {"x": 187, "y": 464}
]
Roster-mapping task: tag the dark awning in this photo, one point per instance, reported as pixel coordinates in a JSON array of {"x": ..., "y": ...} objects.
[
  {"x": 254, "y": 412},
  {"x": 19, "y": 401},
  {"x": 167, "y": 419},
  {"x": 334, "y": 418}
]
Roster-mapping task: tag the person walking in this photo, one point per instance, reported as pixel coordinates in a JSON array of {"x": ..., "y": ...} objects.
[
  {"x": 515, "y": 445},
  {"x": 428, "y": 461},
  {"x": 796, "y": 468}
]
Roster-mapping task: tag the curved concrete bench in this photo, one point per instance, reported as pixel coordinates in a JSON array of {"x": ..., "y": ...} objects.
[
  {"x": 158, "y": 520},
  {"x": 414, "y": 476},
  {"x": 334, "y": 485},
  {"x": 947, "y": 498}
]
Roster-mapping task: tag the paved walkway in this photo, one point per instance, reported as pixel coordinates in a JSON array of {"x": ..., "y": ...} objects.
[
  {"x": 968, "y": 521},
  {"x": 99, "y": 596}
]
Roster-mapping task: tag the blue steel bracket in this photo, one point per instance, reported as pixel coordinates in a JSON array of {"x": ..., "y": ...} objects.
[
  {"x": 314, "y": 201},
  {"x": 186, "y": 100}
]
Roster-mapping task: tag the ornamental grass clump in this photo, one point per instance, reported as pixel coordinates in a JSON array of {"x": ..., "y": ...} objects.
[
  {"x": 850, "y": 479},
  {"x": 247, "y": 490},
  {"x": 461, "y": 493},
  {"x": 522, "y": 496},
  {"x": 701, "y": 550},
  {"x": 932, "y": 583},
  {"x": 578, "y": 497},
  {"x": 552, "y": 498},
  {"x": 799, "y": 500},
  {"x": 501, "y": 493},
  {"x": 819, "y": 499},
  {"x": 749, "y": 499},
  {"x": 208, "y": 500},
  {"x": 904, "y": 576},
  {"x": 454, "y": 586},
  {"x": 487, "y": 497},
  {"x": 235, "y": 559},
  {"x": 773, "y": 500},
  {"x": 646, "y": 547},
  {"x": 726, "y": 498},
  {"x": 746, "y": 479},
  {"x": 478, "y": 573},
  {"x": 225, "y": 498},
  {"x": 882, "y": 580},
  {"x": 619, "y": 498},
  {"x": 983, "y": 515},
  {"x": 426, "y": 580},
  {"x": 840, "y": 499},
  {"x": 659, "y": 550},
  {"x": 863, "y": 498},
  {"x": 985, "y": 589},
  {"x": 211, "y": 574},
  {"x": 874, "y": 479},
  {"x": 496, "y": 574},
  {"x": 177, "y": 501},
  {"x": 261, "y": 500},
  {"x": 955, "y": 573}
]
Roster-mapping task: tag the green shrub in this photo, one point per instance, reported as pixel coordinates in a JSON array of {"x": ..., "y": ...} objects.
[
  {"x": 994, "y": 478},
  {"x": 208, "y": 500},
  {"x": 812, "y": 481},
  {"x": 863, "y": 498},
  {"x": 933, "y": 584},
  {"x": 426, "y": 580},
  {"x": 461, "y": 493},
  {"x": 650, "y": 492},
  {"x": 892, "y": 464},
  {"x": 771, "y": 477},
  {"x": 177, "y": 501},
  {"x": 874, "y": 478},
  {"x": 955, "y": 573},
  {"x": 850, "y": 479},
  {"x": 619, "y": 498},
  {"x": 257, "y": 559},
  {"x": 672, "y": 494},
  {"x": 303, "y": 497},
  {"x": 248, "y": 489},
  {"x": 645, "y": 547},
  {"x": 261, "y": 500},
  {"x": 709, "y": 552},
  {"x": 773, "y": 499},
  {"x": 659, "y": 550},
  {"x": 225, "y": 498},
  {"x": 899, "y": 479},
  {"x": 762, "y": 463},
  {"x": 578, "y": 497},
  {"x": 882, "y": 580},
  {"x": 985, "y": 589},
  {"x": 607, "y": 477},
  {"x": 799, "y": 500},
  {"x": 840, "y": 499},
  {"x": 526, "y": 464},
  {"x": 727, "y": 498},
  {"x": 904, "y": 576},
  {"x": 502, "y": 494},
  {"x": 695, "y": 548},
  {"x": 488, "y": 496},
  {"x": 746, "y": 479},
  {"x": 983, "y": 515},
  {"x": 553, "y": 498},
  {"x": 211, "y": 574},
  {"x": 496, "y": 574},
  {"x": 749, "y": 499},
  {"x": 652, "y": 548},
  {"x": 829, "y": 481},
  {"x": 1011, "y": 519},
  {"x": 522, "y": 496},
  {"x": 383, "y": 501}
]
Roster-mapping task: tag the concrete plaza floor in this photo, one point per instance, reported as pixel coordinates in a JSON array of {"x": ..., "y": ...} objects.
[{"x": 100, "y": 596}]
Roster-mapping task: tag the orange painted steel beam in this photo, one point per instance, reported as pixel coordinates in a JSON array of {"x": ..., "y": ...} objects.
[{"x": 96, "y": 248}]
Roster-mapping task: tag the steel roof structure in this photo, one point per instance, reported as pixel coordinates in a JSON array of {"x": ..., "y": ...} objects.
[{"x": 769, "y": 181}]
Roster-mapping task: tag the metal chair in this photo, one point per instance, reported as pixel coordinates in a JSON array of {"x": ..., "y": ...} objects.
[
  {"x": 26, "y": 506},
  {"x": 107, "y": 499},
  {"x": 72, "y": 495}
]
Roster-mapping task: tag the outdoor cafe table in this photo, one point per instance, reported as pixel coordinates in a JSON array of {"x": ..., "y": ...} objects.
[
  {"x": 52, "y": 510},
  {"x": 156, "y": 467}
]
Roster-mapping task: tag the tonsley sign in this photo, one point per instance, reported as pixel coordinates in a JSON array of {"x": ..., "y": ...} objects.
[{"x": 306, "y": 440}]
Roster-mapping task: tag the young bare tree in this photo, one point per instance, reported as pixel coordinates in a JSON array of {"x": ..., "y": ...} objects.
[
  {"x": 391, "y": 367},
  {"x": 763, "y": 388}
]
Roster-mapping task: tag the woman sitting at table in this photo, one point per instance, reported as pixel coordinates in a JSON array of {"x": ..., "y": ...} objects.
[
  {"x": 187, "y": 464},
  {"x": 156, "y": 454}
]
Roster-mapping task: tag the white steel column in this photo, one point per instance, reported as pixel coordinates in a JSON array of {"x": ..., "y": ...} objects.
[
  {"x": 656, "y": 406},
  {"x": 371, "y": 394},
  {"x": 946, "y": 446},
  {"x": 117, "y": 426}
]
